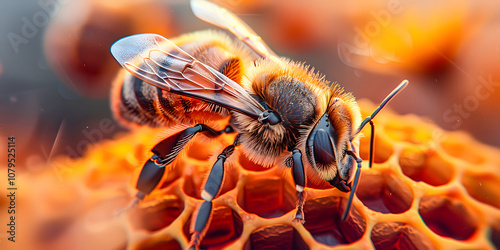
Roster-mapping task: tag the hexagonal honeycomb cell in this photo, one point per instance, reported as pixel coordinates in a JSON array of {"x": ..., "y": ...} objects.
[{"x": 428, "y": 189}]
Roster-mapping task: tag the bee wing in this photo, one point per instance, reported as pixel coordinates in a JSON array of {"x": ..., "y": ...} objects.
[
  {"x": 157, "y": 61},
  {"x": 215, "y": 14}
]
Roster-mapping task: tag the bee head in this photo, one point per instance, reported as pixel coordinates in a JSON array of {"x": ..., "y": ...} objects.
[{"x": 328, "y": 142}]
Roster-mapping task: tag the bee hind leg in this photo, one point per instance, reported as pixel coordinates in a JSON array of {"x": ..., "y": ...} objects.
[
  {"x": 210, "y": 191},
  {"x": 164, "y": 153},
  {"x": 295, "y": 162}
]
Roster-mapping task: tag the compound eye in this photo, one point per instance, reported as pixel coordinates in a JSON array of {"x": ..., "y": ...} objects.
[
  {"x": 320, "y": 149},
  {"x": 323, "y": 151}
]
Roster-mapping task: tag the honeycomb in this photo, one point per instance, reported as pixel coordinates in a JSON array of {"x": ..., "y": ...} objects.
[{"x": 428, "y": 189}]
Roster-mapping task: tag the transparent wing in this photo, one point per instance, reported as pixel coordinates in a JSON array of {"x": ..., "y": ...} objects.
[
  {"x": 215, "y": 14},
  {"x": 157, "y": 61}
]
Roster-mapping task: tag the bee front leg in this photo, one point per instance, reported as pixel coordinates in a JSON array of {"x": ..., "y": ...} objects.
[
  {"x": 295, "y": 162},
  {"x": 210, "y": 191},
  {"x": 164, "y": 153}
]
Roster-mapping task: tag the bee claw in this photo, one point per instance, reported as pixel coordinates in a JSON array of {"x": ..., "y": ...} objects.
[
  {"x": 195, "y": 241},
  {"x": 130, "y": 206},
  {"x": 302, "y": 221},
  {"x": 299, "y": 216},
  {"x": 192, "y": 247}
]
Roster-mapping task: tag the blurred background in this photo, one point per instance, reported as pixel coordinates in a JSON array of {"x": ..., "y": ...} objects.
[{"x": 56, "y": 68}]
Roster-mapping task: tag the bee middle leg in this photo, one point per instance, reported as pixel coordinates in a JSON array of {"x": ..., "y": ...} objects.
[
  {"x": 295, "y": 162},
  {"x": 211, "y": 190},
  {"x": 164, "y": 153}
]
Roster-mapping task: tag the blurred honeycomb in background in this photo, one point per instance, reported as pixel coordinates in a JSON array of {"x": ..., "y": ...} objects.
[
  {"x": 448, "y": 50},
  {"x": 77, "y": 42},
  {"x": 428, "y": 189}
]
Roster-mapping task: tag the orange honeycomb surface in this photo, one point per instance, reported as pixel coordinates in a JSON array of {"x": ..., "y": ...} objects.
[{"x": 428, "y": 189}]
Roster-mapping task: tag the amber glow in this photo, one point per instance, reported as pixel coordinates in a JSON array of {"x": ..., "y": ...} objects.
[{"x": 419, "y": 173}]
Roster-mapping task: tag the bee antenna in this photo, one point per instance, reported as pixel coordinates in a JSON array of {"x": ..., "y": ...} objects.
[
  {"x": 398, "y": 89},
  {"x": 368, "y": 119}
]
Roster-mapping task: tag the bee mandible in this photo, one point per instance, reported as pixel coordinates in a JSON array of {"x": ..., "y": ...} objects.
[{"x": 283, "y": 112}]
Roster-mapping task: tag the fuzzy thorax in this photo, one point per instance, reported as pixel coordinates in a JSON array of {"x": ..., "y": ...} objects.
[{"x": 295, "y": 93}]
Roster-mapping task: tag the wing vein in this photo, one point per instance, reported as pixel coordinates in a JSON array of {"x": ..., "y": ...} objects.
[{"x": 166, "y": 66}]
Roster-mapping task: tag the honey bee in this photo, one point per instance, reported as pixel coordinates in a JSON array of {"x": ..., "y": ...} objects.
[{"x": 283, "y": 112}]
